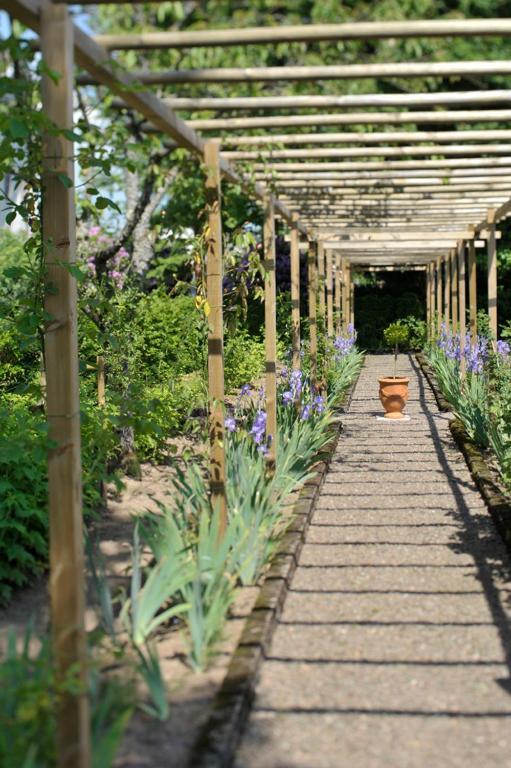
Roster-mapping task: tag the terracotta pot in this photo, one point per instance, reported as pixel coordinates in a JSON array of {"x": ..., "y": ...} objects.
[{"x": 393, "y": 395}]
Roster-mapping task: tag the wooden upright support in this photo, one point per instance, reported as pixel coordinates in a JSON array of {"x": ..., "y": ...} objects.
[
  {"x": 67, "y": 595},
  {"x": 439, "y": 307},
  {"x": 454, "y": 290},
  {"x": 347, "y": 295},
  {"x": 472, "y": 289},
  {"x": 270, "y": 326},
  {"x": 447, "y": 289},
  {"x": 321, "y": 283},
  {"x": 462, "y": 297},
  {"x": 338, "y": 284},
  {"x": 329, "y": 294},
  {"x": 492, "y": 272},
  {"x": 295, "y": 292},
  {"x": 344, "y": 297},
  {"x": 352, "y": 300},
  {"x": 433, "y": 293},
  {"x": 313, "y": 301},
  {"x": 428, "y": 298},
  {"x": 214, "y": 289}
]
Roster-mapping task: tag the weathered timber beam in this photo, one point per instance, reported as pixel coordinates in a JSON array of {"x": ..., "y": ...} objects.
[
  {"x": 382, "y": 178},
  {"x": 315, "y": 73},
  {"x": 303, "y": 33},
  {"x": 441, "y": 98},
  {"x": 456, "y": 117},
  {"x": 433, "y": 149},
  {"x": 391, "y": 188},
  {"x": 366, "y": 138},
  {"x": 391, "y": 165}
]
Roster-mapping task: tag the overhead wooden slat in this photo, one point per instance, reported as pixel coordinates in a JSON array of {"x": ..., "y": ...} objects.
[
  {"x": 456, "y": 117},
  {"x": 439, "y": 99},
  {"x": 303, "y": 33},
  {"x": 433, "y": 149},
  {"x": 394, "y": 165},
  {"x": 314, "y": 73},
  {"x": 367, "y": 138}
]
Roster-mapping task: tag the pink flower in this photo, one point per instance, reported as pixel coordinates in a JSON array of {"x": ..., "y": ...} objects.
[{"x": 94, "y": 231}]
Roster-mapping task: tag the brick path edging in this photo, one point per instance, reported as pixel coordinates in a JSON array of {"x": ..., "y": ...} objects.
[{"x": 216, "y": 744}]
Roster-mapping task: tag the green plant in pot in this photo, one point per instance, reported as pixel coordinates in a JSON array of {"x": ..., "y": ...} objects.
[{"x": 394, "y": 389}]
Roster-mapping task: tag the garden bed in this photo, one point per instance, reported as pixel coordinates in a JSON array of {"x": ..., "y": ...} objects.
[{"x": 479, "y": 462}]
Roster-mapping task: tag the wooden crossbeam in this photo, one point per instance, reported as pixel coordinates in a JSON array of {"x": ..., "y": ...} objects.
[
  {"x": 456, "y": 117},
  {"x": 376, "y": 137},
  {"x": 391, "y": 165},
  {"x": 320, "y": 72},
  {"x": 302, "y": 33},
  {"x": 408, "y": 151},
  {"x": 439, "y": 99},
  {"x": 384, "y": 178},
  {"x": 389, "y": 188}
]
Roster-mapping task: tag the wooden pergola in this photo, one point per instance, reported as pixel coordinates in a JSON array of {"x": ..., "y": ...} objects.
[{"x": 377, "y": 198}]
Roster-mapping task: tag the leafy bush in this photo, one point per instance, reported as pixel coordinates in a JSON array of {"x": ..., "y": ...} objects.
[
  {"x": 244, "y": 359},
  {"x": 23, "y": 491},
  {"x": 170, "y": 335}
]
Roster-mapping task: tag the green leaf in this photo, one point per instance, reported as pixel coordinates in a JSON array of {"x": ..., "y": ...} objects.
[
  {"x": 65, "y": 180},
  {"x": 17, "y": 129},
  {"x": 105, "y": 202}
]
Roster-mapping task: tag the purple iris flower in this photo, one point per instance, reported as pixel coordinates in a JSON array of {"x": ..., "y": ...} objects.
[
  {"x": 259, "y": 427},
  {"x": 319, "y": 404},
  {"x": 230, "y": 423},
  {"x": 503, "y": 348},
  {"x": 287, "y": 397},
  {"x": 306, "y": 412}
]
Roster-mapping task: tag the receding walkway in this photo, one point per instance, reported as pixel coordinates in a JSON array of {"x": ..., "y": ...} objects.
[{"x": 394, "y": 646}]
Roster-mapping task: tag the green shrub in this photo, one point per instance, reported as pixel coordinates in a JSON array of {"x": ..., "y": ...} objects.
[
  {"x": 169, "y": 335},
  {"x": 169, "y": 407},
  {"x": 244, "y": 359},
  {"x": 23, "y": 493}
]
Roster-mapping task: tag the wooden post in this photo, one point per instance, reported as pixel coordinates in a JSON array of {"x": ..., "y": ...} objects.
[
  {"x": 329, "y": 294},
  {"x": 67, "y": 594},
  {"x": 344, "y": 297},
  {"x": 321, "y": 283},
  {"x": 492, "y": 272},
  {"x": 439, "y": 308},
  {"x": 295, "y": 292},
  {"x": 447, "y": 290},
  {"x": 472, "y": 289},
  {"x": 347, "y": 294},
  {"x": 214, "y": 288},
  {"x": 454, "y": 291},
  {"x": 270, "y": 326},
  {"x": 100, "y": 361},
  {"x": 338, "y": 284},
  {"x": 462, "y": 298},
  {"x": 428, "y": 298},
  {"x": 313, "y": 292},
  {"x": 352, "y": 300}
]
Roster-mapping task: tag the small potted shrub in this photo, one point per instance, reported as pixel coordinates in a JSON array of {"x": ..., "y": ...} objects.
[{"x": 394, "y": 389}]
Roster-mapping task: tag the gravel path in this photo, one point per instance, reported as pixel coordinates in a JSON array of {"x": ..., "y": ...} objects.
[{"x": 394, "y": 646}]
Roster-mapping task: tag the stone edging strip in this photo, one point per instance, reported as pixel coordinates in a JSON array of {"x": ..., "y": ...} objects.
[
  {"x": 498, "y": 505},
  {"x": 218, "y": 740}
]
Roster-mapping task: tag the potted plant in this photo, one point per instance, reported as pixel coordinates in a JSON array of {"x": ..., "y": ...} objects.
[{"x": 394, "y": 389}]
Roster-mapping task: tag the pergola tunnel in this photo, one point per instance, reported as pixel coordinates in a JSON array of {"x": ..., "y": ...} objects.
[{"x": 365, "y": 198}]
